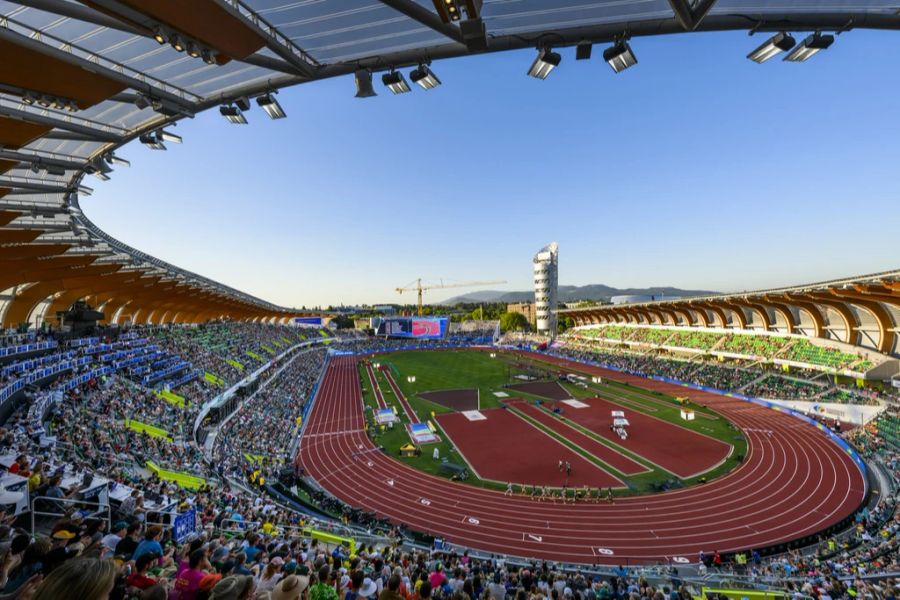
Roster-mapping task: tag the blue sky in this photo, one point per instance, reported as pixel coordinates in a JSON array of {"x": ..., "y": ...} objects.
[{"x": 696, "y": 168}]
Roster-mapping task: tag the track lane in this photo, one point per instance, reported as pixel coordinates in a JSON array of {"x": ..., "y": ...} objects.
[{"x": 768, "y": 499}]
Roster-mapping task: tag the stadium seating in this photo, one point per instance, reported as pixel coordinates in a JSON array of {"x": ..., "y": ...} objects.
[
  {"x": 746, "y": 345},
  {"x": 806, "y": 352}
]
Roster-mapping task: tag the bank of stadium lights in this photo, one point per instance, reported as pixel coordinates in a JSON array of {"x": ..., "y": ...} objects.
[
  {"x": 154, "y": 139},
  {"x": 772, "y": 47},
  {"x": 99, "y": 168},
  {"x": 270, "y": 104},
  {"x": 424, "y": 77},
  {"x": 395, "y": 82},
  {"x": 181, "y": 43},
  {"x": 48, "y": 101},
  {"x": 545, "y": 61},
  {"x": 116, "y": 160},
  {"x": 620, "y": 56},
  {"x": 233, "y": 113},
  {"x": 809, "y": 47}
]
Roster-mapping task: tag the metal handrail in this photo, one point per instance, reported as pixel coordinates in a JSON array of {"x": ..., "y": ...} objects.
[{"x": 73, "y": 502}]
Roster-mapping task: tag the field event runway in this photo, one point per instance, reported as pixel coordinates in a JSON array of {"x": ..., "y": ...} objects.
[
  {"x": 794, "y": 482},
  {"x": 532, "y": 460},
  {"x": 676, "y": 449}
]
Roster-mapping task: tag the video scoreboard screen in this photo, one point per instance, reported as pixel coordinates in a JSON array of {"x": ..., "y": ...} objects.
[{"x": 430, "y": 328}]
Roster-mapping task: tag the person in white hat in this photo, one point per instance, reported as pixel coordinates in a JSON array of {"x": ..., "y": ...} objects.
[
  {"x": 292, "y": 587},
  {"x": 367, "y": 589}
]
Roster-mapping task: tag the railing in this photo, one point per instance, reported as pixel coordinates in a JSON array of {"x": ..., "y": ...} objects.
[{"x": 74, "y": 503}]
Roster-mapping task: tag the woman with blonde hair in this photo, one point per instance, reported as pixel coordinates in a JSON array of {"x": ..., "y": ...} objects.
[{"x": 85, "y": 579}]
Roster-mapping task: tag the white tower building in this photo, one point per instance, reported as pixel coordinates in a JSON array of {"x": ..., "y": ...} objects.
[{"x": 546, "y": 263}]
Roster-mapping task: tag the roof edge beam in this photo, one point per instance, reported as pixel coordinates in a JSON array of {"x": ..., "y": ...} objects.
[
  {"x": 427, "y": 18},
  {"x": 81, "y": 13},
  {"x": 24, "y": 157},
  {"x": 40, "y": 119},
  {"x": 92, "y": 67}
]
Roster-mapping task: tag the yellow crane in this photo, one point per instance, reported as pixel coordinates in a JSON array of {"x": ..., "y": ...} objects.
[{"x": 416, "y": 286}]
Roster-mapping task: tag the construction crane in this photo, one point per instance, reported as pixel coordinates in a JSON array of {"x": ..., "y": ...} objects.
[{"x": 417, "y": 286}]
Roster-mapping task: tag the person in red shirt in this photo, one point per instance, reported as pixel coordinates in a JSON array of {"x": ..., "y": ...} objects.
[
  {"x": 139, "y": 579},
  {"x": 20, "y": 467}
]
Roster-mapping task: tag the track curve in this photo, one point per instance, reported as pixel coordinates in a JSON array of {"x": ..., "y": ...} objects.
[{"x": 794, "y": 481}]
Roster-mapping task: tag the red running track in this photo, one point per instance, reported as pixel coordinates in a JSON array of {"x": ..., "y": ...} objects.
[
  {"x": 610, "y": 456},
  {"x": 532, "y": 460},
  {"x": 676, "y": 449},
  {"x": 794, "y": 482}
]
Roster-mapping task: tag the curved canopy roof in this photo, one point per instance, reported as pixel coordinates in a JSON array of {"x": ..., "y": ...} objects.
[
  {"x": 862, "y": 311},
  {"x": 78, "y": 79}
]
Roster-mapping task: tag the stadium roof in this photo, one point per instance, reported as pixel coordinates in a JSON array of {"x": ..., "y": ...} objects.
[
  {"x": 862, "y": 311},
  {"x": 80, "y": 79}
]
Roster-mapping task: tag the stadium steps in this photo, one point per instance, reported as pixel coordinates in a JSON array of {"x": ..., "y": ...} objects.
[{"x": 759, "y": 379}]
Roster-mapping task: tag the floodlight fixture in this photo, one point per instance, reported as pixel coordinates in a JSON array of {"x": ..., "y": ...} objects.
[
  {"x": 583, "y": 50},
  {"x": 208, "y": 56},
  {"x": 152, "y": 141},
  {"x": 620, "y": 56},
  {"x": 452, "y": 9},
  {"x": 168, "y": 136},
  {"x": 395, "y": 82},
  {"x": 424, "y": 78},
  {"x": 270, "y": 104},
  {"x": 99, "y": 168},
  {"x": 116, "y": 160},
  {"x": 775, "y": 45},
  {"x": 234, "y": 114},
  {"x": 193, "y": 50},
  {"x": 545, "y": 61},
  {"x": 809, "y": 47},
  {"x": 176, "y": 42},
  {"x": 159, "y": 35},
  {"x": 364, "y": 87}
]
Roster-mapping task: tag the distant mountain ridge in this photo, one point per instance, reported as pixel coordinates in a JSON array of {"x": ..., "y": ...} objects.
[{"x": 572, "y": 293}]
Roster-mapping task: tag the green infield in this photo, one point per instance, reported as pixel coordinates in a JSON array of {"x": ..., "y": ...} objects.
[{"x": 438, "y": 370}]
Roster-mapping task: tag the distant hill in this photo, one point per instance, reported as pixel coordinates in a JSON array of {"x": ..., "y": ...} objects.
[{"x": 571, "y": 293}]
